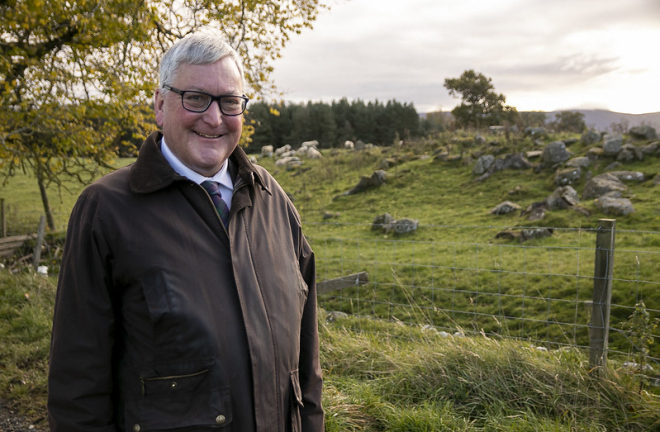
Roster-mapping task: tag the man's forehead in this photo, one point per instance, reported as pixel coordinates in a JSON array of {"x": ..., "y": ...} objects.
[
  {"x": 225, "y": 61},
  {"x": 198, "y": 76}
]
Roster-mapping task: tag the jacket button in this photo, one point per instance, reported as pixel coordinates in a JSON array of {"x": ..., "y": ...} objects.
[
  {"x": 220, "y": 419},
  {"x": 136, "y": 428}
]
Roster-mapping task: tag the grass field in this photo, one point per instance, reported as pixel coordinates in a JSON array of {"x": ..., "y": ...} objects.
[
  {"x": 388, "y": 375},
  {"x": 453, "y": 268},
  {"x": 382, "y": 376},
  {"x": 23, "y": 205},
  {"x": 453, "y": 261}
]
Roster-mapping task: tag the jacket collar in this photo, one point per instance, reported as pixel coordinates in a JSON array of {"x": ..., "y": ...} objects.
[{"x": 152, "y": 172}]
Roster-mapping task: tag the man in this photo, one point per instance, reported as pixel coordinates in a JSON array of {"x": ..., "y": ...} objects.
[{"x": 183, "y": 310}]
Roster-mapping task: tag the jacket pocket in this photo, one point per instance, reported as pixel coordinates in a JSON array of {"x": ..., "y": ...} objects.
[
  {"x": 296, "y": 402},
  {"x": 179, "y": 396},
  {"x": 303, "y": 292}
]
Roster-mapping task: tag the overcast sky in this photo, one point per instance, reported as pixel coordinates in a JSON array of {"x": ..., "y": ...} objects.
[{"x": 541, "y": 54}]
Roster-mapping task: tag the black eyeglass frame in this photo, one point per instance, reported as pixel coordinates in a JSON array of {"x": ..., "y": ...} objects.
[{"x": 213, "y": 99}]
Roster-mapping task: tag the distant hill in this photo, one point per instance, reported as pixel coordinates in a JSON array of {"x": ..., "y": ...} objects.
[{"x": 601, "y": 120}]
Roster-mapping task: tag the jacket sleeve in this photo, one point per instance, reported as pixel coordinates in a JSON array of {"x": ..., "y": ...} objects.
[
  {"x": 309, "y": 366},
  {"x": 80, "y": 376}
]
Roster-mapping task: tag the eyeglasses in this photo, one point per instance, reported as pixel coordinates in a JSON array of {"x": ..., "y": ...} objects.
[{"x": 198, "y": 102}]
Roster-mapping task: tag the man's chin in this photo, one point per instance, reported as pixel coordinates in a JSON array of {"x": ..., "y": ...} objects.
[{"x": 209, "y": 165}]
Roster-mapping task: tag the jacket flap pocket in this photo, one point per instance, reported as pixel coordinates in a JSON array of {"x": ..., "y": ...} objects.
[
  {"x": 295, "y": 386},
  {"x": 173, "y": 379},
  {"x": 173, "y": 385},
  {"x": 182, "y": 395}
]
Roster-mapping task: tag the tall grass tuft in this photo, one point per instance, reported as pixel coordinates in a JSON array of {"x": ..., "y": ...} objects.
[
  {"x": 26, "y": 308},
  {"x": 384, "y": 376},
  {"x": 425, "y": 382}
]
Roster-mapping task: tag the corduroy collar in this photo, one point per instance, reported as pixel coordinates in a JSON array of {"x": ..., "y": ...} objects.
[{"x": 152, "y": 172}]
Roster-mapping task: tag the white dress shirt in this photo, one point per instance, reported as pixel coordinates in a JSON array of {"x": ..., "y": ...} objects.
[{"x": 222, "y": 177}]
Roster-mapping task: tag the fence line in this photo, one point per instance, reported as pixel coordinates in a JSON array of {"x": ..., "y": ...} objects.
[
  {"x": 485, "y": 227},
  {"x": 541, "y": 291},
  {"x": 24, "y": 220}
]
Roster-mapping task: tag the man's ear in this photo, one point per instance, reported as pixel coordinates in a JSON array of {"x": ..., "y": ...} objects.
[{"x": 159, "y": 101}]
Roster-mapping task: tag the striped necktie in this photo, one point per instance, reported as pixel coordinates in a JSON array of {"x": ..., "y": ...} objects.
[{"x": 220, "y": 205}]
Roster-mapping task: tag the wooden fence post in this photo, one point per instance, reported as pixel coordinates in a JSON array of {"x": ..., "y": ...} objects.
[
  {"x": 351, "y": 280},
  {"x": 36, "y": 256},
  {"x": 3, "y": 219},
  {"x": 599, "y": 327}
]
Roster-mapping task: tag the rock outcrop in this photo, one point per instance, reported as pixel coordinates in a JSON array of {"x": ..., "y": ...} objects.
[{"x": 603, "y": 184}]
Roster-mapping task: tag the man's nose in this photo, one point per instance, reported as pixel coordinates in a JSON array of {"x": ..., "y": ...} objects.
[{"x": 213, "y": 115}]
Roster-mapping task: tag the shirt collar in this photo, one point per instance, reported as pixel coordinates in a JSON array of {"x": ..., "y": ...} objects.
[{"x": 223, "y": 177}]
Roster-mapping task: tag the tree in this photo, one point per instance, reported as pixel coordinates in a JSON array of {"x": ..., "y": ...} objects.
[
  {"x": 300, "y": 125},
  {"x": 480, "y": 105},
  {"x": 260, "y": 116},
  {"x": 332, "y": 124},
  {"x": 569, "y": 121},
  {"x": 532, "y": 119},
  {"x": 342, "y": 110},
  {"x": 621, "y": 127},
  {"x": 75, "y": 75},
  {"x": 362, "y": 118},
  {"x": 434, "y": 122},
  {"x": 402, "y": 121},
  {"x": 322, "y": 124}
]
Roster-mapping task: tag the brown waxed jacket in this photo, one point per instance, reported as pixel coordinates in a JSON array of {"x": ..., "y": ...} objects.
[{"x": 166, "y": 320}]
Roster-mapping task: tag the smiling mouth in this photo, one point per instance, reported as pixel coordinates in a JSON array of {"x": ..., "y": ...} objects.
[{"x": 207, "y": 136}]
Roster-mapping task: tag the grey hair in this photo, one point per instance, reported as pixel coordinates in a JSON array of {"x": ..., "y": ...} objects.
[{"x": 197, "y": 49}]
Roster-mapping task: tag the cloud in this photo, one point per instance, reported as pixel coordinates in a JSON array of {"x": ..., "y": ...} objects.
[{"x": 389, "y": 49}]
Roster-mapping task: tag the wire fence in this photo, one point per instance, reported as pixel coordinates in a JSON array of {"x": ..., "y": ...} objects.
[
  {"x": 468, "y": 279},
  {"x": 541, "y": 291},
  {"x": 21, "y": 219}
]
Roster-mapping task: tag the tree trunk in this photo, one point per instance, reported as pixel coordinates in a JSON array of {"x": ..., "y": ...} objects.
[{"x": 44, "y": 200}]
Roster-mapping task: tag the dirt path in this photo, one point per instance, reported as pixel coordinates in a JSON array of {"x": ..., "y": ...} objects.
[{"x": 11, "y": 421}]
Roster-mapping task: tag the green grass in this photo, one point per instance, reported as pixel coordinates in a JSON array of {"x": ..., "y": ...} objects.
[
  {"x": 452, "y": 273},
  {"x": 383, "y": 376},
  {"x": 453, "y": 260},
  {"x": 453, "y": 266},
  {"x": 381, "y": 381},
  {"x": 23, "y": 204},
  {"x": 26, "y": 312},
  {"x": 445, "y": 193}
]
